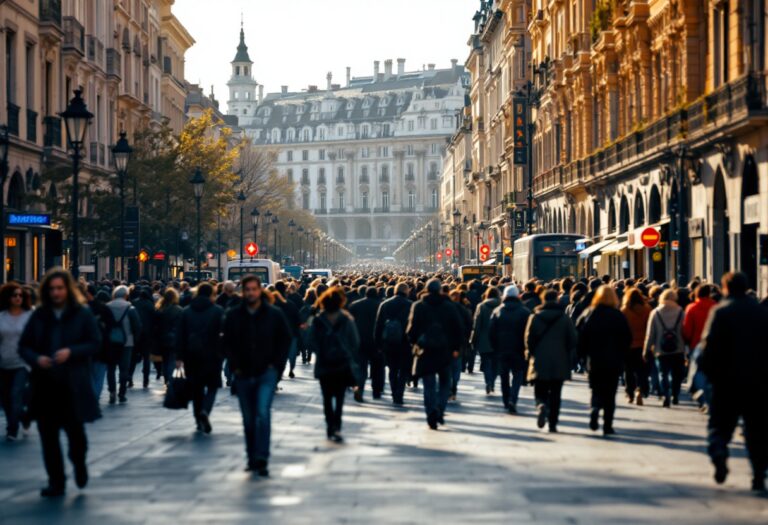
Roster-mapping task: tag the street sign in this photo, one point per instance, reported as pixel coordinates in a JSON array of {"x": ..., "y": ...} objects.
[
  {"x": 131, "y": 238},
  {"x": 675, "y": 245},
  {"x": 650, "y": 237},
  {"x": 483, "y": 257},
  {"x": 448, "y": 252},
  {"x": 519, "y": 130},
  {"x": 252, "y": 249},
  {"x": 143, "y": 256},
  {"x": 439, "y": 255},
  {"x": 485, "y": 250},
  {"x": 29, "y": 219},
  {"x": 519, "y": 222}
]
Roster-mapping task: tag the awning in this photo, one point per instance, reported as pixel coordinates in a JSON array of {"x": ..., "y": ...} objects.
[
  {"x": 586, "y": 252},
  {"x": 615, "y": 247},
  {"x": 490, "y": 262}
]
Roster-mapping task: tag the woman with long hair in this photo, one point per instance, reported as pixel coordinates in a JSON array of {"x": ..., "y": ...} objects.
[
  {"x": 334, "y": 340},
  {"x": 167, "y": 329},
  {"x": 15, "y": 310},
  {"x": 635, "y": 308},
  {"x": 604, "y": 340}
]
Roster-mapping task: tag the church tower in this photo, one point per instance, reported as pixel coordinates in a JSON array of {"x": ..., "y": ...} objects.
[{"x": 242, "y": 87}]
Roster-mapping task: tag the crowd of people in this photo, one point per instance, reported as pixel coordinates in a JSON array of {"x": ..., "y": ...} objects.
[{"x": 61, "y": 341}]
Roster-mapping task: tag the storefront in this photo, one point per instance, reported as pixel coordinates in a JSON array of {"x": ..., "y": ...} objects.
[{"x": 30, "y": 246}]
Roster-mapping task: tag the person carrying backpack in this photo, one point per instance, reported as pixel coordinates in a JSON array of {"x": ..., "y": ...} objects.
[
  {"x": 122, "y": 329},
  {"x": 333, "y": 338},
  {"x": 389, "y": 334},
  {"x": 664, "y": 342}
]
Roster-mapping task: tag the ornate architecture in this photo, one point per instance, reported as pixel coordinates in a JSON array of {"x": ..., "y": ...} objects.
[{"x": 366, "y": 156}]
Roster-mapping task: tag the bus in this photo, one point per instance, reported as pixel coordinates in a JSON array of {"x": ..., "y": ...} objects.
[
  {"x": 265, "y": 269},
  {"x": 546, "y": 256},
  {"x": 478, "y": 271}
]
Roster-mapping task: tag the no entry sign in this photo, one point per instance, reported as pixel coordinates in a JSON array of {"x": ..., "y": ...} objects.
[
  {"x": 252, "y": 249},
  {"x": 650, "y": 237}
]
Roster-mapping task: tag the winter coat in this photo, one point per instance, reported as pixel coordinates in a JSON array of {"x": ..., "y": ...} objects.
[
  {"x": 668, "y": 315},
  {"x": 167, "y": 330},
  {"x": 435, "y": 318},
  {"x": 131, "y": 320},
  {"x": 102, "y": 314},
  {"x": 364, "y": 313},
  {"x": 637, "y": 317},
  {"x": 147, "y": 314},
  {"x": 604, "y": 339},
  {"x": 734, "y": 356},
  {"x": 530, "y": 300},
  {"x": 64, "y": 392},
  {"x": 323, "y": 334},
  {"x": 696, "y": 315},
  {"x": 506, "y": 332},
  {"x": 291, "y": 315},
  {"x": 481, "y": 326},
  {"x": 550, "y": 344},
  {"x": 200, "y": 342},
  {"x": 397, "y": 307},
  {"x": 465, "y": 314},
  {"x": 254, "y": 342}
]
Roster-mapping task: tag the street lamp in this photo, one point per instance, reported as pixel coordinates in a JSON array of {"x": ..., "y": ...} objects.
[
  {"x": 291, "y": 226},
  {"x": 267, "y": 222},
  {"x": 4, "y": 144},
  {"x": 198, "y": 183},
  {"x": 76, "y": 119},
  {"x": 255, "y": 222},
  {"x": 275, "y": 222},
  {"x": 121, "y": 153},
  {"x": 241, "y": 199},
  {"x": 300, "y": 231}
]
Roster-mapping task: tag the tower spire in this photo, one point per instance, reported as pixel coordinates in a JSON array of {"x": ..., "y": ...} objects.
[{"x": 242, "y": 49}]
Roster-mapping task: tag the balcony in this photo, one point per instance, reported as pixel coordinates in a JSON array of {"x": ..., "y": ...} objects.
[
  {"x": 52, "y": 137},
  {"x": 13, "y": 119},
  {"x": 321, "y": 211},
  {"x": 384, "y": 179},
  {"x": 305, "y": 180},
  {"x": 50, "y": 12},
  {"x": 114, "y": 60},
  {"x": 74, "y": 36},
  {"x": 31, "y": 125},
  {"x": 336, "y": 211}
]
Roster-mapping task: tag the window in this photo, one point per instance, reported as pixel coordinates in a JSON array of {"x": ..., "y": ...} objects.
[
  {"x": 237, "y": 95},
  {"x": 411, "y": 200},
  {"x": 364, "y": 131},
  {"x": 409, "y": 150},
  {"x": 384, "y": 151},
  {"x": 289, "y": 174},
  {"x": 341, "y": 200},
  {"x": 410, "y": 124},
  {"x": 341, "y": 154},
  {"x": 322, "y": 201},
  {"x": 365, "y": 152},
  {"x": 289, "y": 156},
  {"x": 432, "y": 171},
  {"x": 364, "y": 175},
  {"x": 433, "y": 123},
  {"x": 305, "y": 201},
  {"x": 385, "y": 173},
  {"x": 365, "y": 200},
  {"x": 245, "y": 71},
  {"x": 305, "y": 135},
  {"x": 321, "y": 154},
  {"x": 305, "y": 176},
  {"x": 385, "y": 200},
  {"x": 435, "y": 148},
  {"x": 340, "y": 131},
  {"x": 422, "y": 122},
  {"x": 321, "y": 134},
  {"x": 305, "y": 154},
  {"x": 434, "y": 198},
  {"x": 340, "y": 175},
  {"x": 409, "y": 171},
  {"x": 321, "y": 176},
  {"x": 385, "y": 130},
  {"x": 237, "y": 70}
]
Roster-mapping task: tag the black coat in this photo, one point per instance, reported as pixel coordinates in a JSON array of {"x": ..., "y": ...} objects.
[
  {"x": 506, "y": 332},
  {"x": 167, "y": 330},
  {"x": 396, "y": 307},
  {"x": 200, "y": 342},
  {"x": 465, "y": 314},
  {"x": 63, "y": 392},
  {"x": 103, "y": 316},
  {"x": 349, "y": 340},
  {"x": 734, "y": 355},
  {"x": 147, "y": 315},
  {"x": 435, "y": 310},
  {"x": 254, "y": 342},
  {"x": 364, "y": 312},
  {"x": 604, "y": 341},
  {"x": 292, "y": 315}
]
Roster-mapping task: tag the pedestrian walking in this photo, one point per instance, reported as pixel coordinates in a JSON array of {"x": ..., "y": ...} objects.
[
  {"x": 604, "y": 340},
  {"x": 307, "y": 313},
  {"x": 15, "y": 311},
  {"x": 371, "y": 365},
  {"x": 550, "y": 347},
  {"x": 735, "y": 362},
  {"x": 506, "y": 332},
  {"x": 58, "y": 342},
  {"x": 200, "y": 354},
  {"x": 664, "y": 342},
  {"x": 97, "y": 302},
  {"x": 335, "y": 342},
  {"x": 480, "y": 339},
  {"x": 637, "y": 311},
  {"x": 256, "y": 339},
  {"x": 434, "y": 328},
  {"x": 390, "y": 337},
  {"x": 167, "y": 330},
  {"x": 143, "y": 338},
  {"x": 291, "y": 314},
  {"x": 124, "y": 326}
]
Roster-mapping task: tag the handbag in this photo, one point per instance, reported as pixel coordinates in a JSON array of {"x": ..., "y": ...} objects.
[{"x": 178, "y": 394}]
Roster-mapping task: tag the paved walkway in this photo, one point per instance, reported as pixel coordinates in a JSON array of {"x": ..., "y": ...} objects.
[{"x": 149, "y": 467}]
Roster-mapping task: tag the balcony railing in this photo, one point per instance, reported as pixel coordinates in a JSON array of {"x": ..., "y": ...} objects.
[
  {"x": 74, "y": 36},
  {"x": 31, "y": 125},
  {"x": 52, "y": 136},
  {"x": 321, "y": 211},
  {"x": 50, "y": 12},
  {"x": 337, "y": 210},
  {"x": 114, "y": 62},
  {"x": 384, "y": 179},
  {"x": 13, "y": 119},
  {"x": 305, "y": 181}
]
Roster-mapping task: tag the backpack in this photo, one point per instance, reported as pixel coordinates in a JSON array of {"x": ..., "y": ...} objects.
[
  {"x": 669, "y": 335},
  {"x": 433, "y": 337},
  {"x": 116, "y": 336},
  {"x": 393, "y": 332},
  {"x": 335, "y": 353}
]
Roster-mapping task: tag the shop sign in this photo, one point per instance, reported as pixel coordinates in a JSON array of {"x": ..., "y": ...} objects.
[
  {"x": 519, "y": 114},
  {"x": 29, "y": 219},
  {"x": 696, "y": 228},
  {"x": 752, "y": 209}
]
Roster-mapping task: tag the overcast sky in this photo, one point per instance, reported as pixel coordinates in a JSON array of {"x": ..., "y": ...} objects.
[{"x": 297, "y": 42}]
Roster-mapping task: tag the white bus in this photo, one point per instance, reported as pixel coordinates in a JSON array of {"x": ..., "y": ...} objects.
[
  {"x": 265, "y": 269},
  {"x": 545, "y": 256}
]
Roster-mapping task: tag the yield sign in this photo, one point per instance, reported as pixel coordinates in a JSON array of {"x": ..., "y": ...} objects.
[{"x": 252, "y": 249}]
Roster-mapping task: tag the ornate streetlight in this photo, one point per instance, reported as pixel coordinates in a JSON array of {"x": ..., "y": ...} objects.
[
  {"x": 267, "y": 222},
  {"x": 255, "y": 222},
  {"x": 121, "y": 153},
  {"x": 241, "y": 199}
]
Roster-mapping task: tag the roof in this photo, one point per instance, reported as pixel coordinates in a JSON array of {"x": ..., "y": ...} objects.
[{"x": 242, "y": 49}]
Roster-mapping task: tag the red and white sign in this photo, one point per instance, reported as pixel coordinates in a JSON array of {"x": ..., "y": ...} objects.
[
  {"x": 650, "y": 237},
  {"x": 252, "y": 249},
  {"x": 483, "y": 257},
  {"x": 485, "y": 250},
  {"x": 439, "y": 255},
  {"x": 448, "y": 252}
]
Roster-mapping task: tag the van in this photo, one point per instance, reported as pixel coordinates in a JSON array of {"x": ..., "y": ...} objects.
[
  {"x": 319, "y": 272},
  {"x": 265, "y": 269}
]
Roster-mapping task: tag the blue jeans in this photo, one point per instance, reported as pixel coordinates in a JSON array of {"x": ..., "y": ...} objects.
[
  {"x": 455, "y": 374},
  {"x": 655, "y": 386},
  {"x": 12, "y": 384},
  {"x": 488, "y": 366},
  {"x": 293, "y": 352},
  {"x": 437, "y": 388},
  {"x": 98, "y": 376},
  {"x": 255, "y": 395},
  {"x": 671, "y": 367}
]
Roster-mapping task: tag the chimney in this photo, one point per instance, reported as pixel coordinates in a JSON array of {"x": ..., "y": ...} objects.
[
  {"x": 284, "y": 89},
  {"x": 261, "y": 93},
  {"x": 329, "y": 79},
  {"x": 400, "y": 66},
  {"x": 454, "y": 63},
  {"x": 387, "y": 69},
  {"x": 375, "y": 70},
  {"x": 431, "y": 67},
  {"x": 349, "y": 75}
]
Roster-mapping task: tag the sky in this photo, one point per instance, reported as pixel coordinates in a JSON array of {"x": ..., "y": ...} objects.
[{"x": 297, "y": 42}]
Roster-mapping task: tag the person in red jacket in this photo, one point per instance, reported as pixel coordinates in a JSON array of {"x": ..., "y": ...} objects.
[{"x": 696, "y": 315}]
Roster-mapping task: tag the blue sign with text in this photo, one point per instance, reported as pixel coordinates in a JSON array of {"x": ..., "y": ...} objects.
[{"x": 29, "y": 219}]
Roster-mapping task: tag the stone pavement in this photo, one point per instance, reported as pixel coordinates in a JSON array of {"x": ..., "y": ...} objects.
[{"x": 148, "y": 466}]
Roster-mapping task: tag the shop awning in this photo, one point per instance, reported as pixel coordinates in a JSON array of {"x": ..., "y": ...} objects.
[
  {"x": 615, "y": 247},
  {"x": 586, "y": 252}
]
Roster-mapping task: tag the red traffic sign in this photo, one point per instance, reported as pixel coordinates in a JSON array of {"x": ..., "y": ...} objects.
[
  {"x": 439, "y": 255},
  {"x": 485, "y": 250},
  {"x": 650, "y": 237},
  {"x": 252, "y": 249},
  {"x": 448, "y": 252},
  {"x": 483, "y": 256}
]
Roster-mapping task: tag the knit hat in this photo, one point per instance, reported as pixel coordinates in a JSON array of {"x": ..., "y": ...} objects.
[{"x": 511, "y": 291}]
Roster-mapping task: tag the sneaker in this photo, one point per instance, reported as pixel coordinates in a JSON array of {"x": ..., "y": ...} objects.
[
  {"x": 52, "y": 492},
  {"x": 81, "y": 475},
  {"x": 204, "y": 423},
  {"x": 594, "y": 423},
  {"x": 721, "y": 469}
]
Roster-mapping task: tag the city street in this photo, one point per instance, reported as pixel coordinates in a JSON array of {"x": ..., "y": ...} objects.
[{"x": 149, "y": 466}]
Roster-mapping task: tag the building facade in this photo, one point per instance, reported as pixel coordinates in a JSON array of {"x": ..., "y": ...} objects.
[
  {"x": 651, "y": 114},
  {"x": 366, "y": 157}
]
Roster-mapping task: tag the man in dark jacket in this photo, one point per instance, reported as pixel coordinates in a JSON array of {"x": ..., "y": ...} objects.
[
  {"x": 256, "y": 342},
  {"x": 506, "y": 332},
  {"x": 389, "y": 335},
  {"x": 143, "y": 342},
  {"x": 529, "y": 298},
  {"x": 364, "y": 311},
  {"x": 200, "y": 353},
  {"x": 434, "y": 327},
  {"x": 293, "y": 317},
  {"x": 58, "y": 343},
  {"x": 736, "y": 364}
]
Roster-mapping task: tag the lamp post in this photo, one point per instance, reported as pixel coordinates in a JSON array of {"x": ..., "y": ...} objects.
[
  {"x": 255, "y": 222},
  {"x": 4, "y": 145},
  {"x": 121, "y": 153},
  {"x": 681, "y": 217},
  {"x": 218, "y": 246},
  {"x": 198, "y": 183},
  {"x": 275, "y": 222},
  {"x": 465, "y": 228},
  {"x": 76, "y": 119},
  {"x": 300, "y": 231},
  {"x": 455, "y": 216},
  {"x": 291, "y": 226},
  {"x": 267, "y": 222},
  {"x": 241, "y": 200},
  {"x": 430, "y": 252}
]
